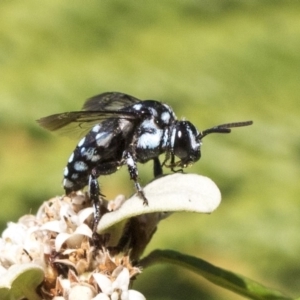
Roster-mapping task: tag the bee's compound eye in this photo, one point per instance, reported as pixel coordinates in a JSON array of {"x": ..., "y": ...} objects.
[
  {"x": 181, "y": 143},
  {"x": 186, "y": 144}
]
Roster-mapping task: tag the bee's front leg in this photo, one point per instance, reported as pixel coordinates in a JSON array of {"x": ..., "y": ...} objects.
[
  {"x": 133, "y": 172},
  {"x": 157, "y": 167}
]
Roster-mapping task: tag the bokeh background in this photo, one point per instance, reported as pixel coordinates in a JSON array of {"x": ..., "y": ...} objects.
[{"x": 213, "y": 61}]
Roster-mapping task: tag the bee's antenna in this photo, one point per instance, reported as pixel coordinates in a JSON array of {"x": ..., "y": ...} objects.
[{"x": 224, "y": 128}]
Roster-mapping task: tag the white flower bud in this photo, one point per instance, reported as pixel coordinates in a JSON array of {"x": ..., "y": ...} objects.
[{"x": 81, "y": 292}]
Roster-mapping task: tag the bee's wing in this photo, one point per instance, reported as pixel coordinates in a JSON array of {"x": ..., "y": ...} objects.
[
  {"x": 78, "y": 123},
  {"x": 95, "y": 110},
  {"x": 109, "y": 101}
]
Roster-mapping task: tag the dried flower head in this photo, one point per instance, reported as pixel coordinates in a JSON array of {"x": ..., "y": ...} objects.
[{"x": 52, "y": 255}]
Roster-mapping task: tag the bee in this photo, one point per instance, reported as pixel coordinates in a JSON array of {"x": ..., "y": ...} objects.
[{"x": 124, "y": 130}]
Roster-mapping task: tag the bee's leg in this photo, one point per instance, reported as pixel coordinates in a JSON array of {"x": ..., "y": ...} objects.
[
  {"x": 133, "y": 172},
  {"x": 94, "y": 191},
  {"x": 157, "y": 169}
]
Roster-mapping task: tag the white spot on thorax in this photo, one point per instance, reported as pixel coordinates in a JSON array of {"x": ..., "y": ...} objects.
[
  {"x": 152, "y": 137},
  {"x": 149, "y": 124},
  {"x": 170, "y": 111},
  {"x": 96, "y": 128},
  {"x": 137, "y": 106},
  {"x": 150, "y": 140},
  {"x": 165, "y": 116}
]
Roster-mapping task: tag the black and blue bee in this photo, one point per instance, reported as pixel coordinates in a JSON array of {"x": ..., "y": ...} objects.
[{"x": 124, "y": 130}]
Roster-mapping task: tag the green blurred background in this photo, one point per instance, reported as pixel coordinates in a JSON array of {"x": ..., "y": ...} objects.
[{"x": 213, "y": 61}]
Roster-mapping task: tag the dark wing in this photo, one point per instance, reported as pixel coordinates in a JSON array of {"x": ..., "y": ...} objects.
[
  {"x": 96, "y": 110},
  {"x": 109, "y": 101}
]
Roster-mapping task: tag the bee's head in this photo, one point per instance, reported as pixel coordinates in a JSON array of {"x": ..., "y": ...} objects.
[
  {"x": 186, "y": 143},
  {"x": 186, "y": 140}
]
